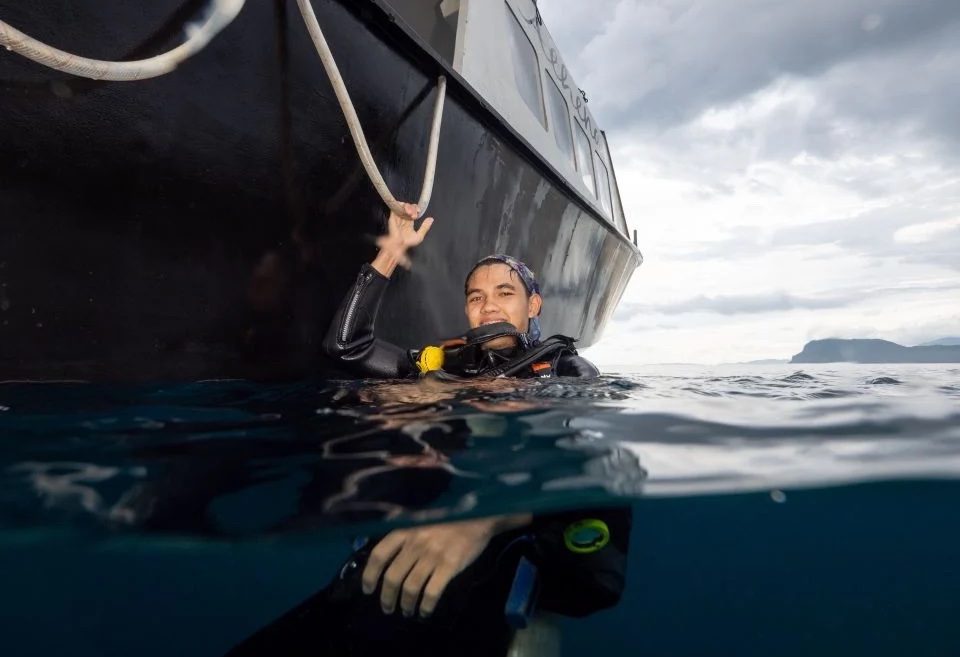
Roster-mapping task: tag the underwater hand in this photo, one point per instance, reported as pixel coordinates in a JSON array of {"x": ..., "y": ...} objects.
[{"x": 423, "y": 560}]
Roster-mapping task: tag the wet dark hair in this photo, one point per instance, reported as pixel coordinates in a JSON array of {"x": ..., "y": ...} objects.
[{"x": 486, "y": 262}]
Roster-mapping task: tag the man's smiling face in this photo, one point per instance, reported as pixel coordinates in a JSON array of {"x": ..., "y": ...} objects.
[{"x": 495, "y": 293}]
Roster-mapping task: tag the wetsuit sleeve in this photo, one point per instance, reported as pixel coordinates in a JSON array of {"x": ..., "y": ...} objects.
[
  {"x": 350, "y": 339},
  {"x": 577, "y": 584},
  {"x": 576, "y": 365}
]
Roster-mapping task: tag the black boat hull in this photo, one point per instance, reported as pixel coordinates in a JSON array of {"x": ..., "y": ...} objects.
[{"x": 206, "y": 223}]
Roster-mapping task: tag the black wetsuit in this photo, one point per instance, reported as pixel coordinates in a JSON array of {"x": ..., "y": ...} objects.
[
  {"x": 351, "y": 340},
  {"x": 469, "y": 619}
]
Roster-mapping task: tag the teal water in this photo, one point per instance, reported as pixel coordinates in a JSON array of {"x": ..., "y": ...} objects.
[{"x": 775, "y": 510}]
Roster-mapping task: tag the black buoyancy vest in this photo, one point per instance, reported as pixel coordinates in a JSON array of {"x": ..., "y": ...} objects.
[{"x": 465, "y": 357}]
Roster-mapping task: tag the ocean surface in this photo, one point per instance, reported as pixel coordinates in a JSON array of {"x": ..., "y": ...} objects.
[{"x": 777, "y": 509}]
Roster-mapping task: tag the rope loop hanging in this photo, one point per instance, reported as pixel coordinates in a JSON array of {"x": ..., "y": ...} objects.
[
  {"x": 356, "y": 130},
  {"x": 220, "y": 14}
]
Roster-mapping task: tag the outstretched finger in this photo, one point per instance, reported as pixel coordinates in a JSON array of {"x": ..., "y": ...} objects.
[
  {"x": 435, "y": 587},
  {"x": 424, "y": 228},
  {"x": 413, "y": 586},
  {"x": 379, "y": 558},
  {"x": 394, "y": 578}
]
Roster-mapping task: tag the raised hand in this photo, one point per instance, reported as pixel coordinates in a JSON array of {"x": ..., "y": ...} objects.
[{"x": 401, "y": 235}]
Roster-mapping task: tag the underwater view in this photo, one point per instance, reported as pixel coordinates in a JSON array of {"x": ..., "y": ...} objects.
[{"x": 756, "y": 510}]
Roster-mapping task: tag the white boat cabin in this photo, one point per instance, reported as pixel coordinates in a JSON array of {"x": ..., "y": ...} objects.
[{"x": 504, "y": 51}]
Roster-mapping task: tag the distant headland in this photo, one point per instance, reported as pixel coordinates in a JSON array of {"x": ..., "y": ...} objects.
[{"x": 835, "y": 350}]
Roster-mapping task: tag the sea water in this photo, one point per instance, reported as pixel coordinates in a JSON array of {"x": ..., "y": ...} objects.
[{"x": 777, "y": 510}]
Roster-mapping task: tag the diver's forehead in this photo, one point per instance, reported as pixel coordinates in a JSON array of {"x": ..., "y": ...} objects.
[{"x": 490, "y": 276}]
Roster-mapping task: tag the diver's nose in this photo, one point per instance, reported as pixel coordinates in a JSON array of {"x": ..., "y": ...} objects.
[{"x": 489, "y": 307}]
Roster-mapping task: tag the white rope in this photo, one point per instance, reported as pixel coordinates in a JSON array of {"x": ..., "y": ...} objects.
[
  {"x": 220, "y": 14},
  {"x": 356, "y": 130}
]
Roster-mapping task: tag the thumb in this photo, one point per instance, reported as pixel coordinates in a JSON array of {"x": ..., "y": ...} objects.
[{"x": 425, "y": 227}]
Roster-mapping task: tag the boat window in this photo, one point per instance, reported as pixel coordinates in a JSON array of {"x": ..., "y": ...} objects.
[
  {"x": 603, "y": 184},
  {"x": 434, "y": 21},
  {"x": 584, "y": 161},
  {"x": 526, "y": 69},
  {"x": 559, "y": 119}
]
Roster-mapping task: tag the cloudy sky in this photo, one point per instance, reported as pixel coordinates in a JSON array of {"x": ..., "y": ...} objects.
[{"x": 792, "y": 168}]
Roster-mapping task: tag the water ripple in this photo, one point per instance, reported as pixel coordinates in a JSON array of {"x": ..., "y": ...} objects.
[{"x": 199, "y": 458}]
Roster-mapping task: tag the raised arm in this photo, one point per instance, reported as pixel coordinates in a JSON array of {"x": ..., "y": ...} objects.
[
  {"x": 401, "y": 236},
  {"x": 351, "y": 339}
]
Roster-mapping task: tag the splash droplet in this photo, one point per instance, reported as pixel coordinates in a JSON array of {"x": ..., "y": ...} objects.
[{"x": 778, "y": 496}]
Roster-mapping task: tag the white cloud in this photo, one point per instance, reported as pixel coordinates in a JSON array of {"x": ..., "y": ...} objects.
[
  {"x": 792, "y": 169},
  {"x": 919, "y": 233}
]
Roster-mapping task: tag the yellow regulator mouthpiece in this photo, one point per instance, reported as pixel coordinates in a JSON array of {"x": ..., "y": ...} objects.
[
  {"x": 586, "y": 536},
  {"x": 431, "y": 358}
]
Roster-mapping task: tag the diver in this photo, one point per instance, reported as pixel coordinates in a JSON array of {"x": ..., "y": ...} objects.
[
  {"x": 460, "y": 587},
  {"x": 502, "y": 305}
]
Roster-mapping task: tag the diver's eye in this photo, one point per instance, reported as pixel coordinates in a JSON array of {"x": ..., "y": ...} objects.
[{"x": 473, "y": 299}]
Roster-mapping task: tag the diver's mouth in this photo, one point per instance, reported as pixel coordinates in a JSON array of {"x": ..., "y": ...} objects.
[{"x": 493, "y": 321}]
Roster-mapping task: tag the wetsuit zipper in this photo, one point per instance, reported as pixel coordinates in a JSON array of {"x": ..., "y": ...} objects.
[{"x": 352, "y": 308}]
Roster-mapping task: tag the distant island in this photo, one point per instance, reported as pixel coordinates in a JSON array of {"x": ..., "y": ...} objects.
[
  {"x": 835, "y": 350},
  {"x": 942, "y": 342}
]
